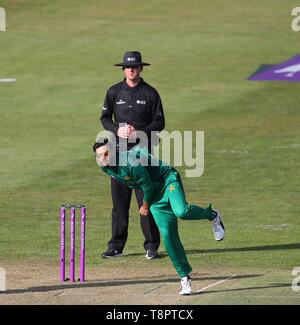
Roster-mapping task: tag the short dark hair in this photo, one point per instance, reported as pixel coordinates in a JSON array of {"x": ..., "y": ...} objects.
[{"x": 100, "y": 143}]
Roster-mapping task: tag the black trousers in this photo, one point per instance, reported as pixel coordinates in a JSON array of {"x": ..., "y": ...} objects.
[{"x": 121, "y": 197}]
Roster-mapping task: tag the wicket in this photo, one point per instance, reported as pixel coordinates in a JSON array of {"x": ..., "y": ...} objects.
[{"x": 72, "y": 242}]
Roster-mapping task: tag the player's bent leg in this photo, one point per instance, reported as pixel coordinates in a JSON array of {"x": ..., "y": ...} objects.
[
  {"x": 186, "y": 211},
  {"x": 181, "y": 208}
]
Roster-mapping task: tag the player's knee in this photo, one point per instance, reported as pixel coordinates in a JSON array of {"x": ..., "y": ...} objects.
[{"x": 180, "y": 213}]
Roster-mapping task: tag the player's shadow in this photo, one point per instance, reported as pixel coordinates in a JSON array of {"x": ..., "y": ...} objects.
[
  {"x": 270, "y": 286},
  {"x": 164, "y": 254},
  {"x": 245, "y": 249},
  {"x": 116, "y": 282}
]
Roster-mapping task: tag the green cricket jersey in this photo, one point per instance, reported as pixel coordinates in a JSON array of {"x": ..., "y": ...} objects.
[{"x": 151, "y": 179}]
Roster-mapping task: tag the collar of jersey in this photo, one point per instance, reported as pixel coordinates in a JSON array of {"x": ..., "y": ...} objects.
[{"x": 132, "y": 88}]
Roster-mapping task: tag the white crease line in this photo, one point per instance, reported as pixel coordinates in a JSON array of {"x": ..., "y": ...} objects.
[
  {"x": 145, "y": 293},
  {"x": 214, "y": 284}
]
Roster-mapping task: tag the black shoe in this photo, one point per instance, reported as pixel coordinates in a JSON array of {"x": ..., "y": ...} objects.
[
  {"x": 111, "y": 253},
  {"x": 152, "y": 254}
]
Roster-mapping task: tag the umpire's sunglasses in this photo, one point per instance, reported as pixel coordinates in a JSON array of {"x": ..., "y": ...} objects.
[{"x": 130, "y": 66}]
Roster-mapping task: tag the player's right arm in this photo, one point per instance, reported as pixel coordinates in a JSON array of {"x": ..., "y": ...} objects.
[
  {"x": 108, "y": 112},
  {"x": 142, "y": 178}
]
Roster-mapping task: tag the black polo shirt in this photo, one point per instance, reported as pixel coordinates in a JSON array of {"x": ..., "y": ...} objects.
[{"x": 139, "y": 106}]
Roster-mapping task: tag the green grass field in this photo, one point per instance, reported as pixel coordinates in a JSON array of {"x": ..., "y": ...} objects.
[{"x": 62, "y": 55}]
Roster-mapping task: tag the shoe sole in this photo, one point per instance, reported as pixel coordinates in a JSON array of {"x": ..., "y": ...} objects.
[
  {"x": 222, "y": 225},
  {"x": 151, "y": 258},
  {"x": 117, "y": 255}
]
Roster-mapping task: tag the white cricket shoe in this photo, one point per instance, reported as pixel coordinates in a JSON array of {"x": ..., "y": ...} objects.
[
  {"x": 186, "y": 286},
  {"x": 218, "y": 227}
]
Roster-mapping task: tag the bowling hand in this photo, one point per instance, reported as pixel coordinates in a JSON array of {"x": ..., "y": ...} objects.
[{"x": 144, "y": 209}]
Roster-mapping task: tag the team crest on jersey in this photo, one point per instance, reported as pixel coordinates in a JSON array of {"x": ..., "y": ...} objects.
[{"x": 171, "y": 188}]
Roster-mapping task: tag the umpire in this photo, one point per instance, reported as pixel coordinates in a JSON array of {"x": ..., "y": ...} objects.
[{"x": 131, "y": 105}]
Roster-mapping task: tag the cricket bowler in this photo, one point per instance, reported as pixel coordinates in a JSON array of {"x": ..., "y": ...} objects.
[{"x": 163, "y": 195}]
